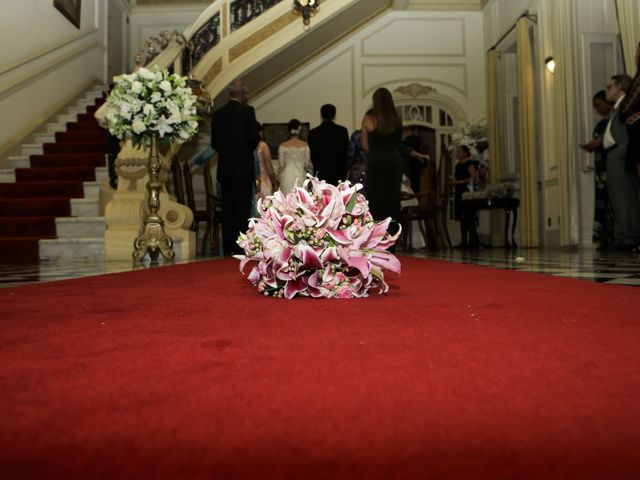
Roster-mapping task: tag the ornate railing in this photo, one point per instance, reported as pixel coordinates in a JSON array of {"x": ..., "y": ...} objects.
[
  {"x": 205, "y": 38},
  {"x": 153, "y": 46},
  {"x": 242, "y": 12}
]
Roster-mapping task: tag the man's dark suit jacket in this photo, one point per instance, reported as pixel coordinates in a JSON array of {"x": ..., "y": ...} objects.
[
  {"x": 234, "y": 135},
  {"x": 328, "y": 143}
]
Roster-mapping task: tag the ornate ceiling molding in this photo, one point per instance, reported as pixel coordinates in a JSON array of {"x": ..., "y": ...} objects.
[{"x": 415, "y": 90}]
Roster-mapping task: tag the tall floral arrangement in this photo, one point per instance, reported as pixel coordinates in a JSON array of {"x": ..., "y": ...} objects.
[
  {"x": 318, "y": 240},
  {"x": 472, "y": 134},
  {"x": 151, "y": 101}
]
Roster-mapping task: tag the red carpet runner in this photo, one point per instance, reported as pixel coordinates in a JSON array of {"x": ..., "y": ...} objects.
[
  {"x": 29, "y": 207},
  {"x": 186, "y": 372}
]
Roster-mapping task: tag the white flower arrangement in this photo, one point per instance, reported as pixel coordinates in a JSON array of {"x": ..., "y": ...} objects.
[
  {"x": 151, "y": 101},
  {"x": 472, "y": 134}
]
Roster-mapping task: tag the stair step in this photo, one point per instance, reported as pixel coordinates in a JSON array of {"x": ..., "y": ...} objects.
[
  {"x": 56, "y": 127},
  {"x": 67, "y": 160},
  {"x": 92, "y": 190},
  {"x": 43, "y": 189},
  {"x": 15, "y": 250},
  {"x": 41, "y": 138},
  {"x": 66, "y": 118},
  {"x": 7, "y": 175},
  {"x": 53, "y": 174},
  {"x": 18, "y": 161},
  {"x": 36, "y": 207},
  {"x": 81, "y": 227},
  {"x": 85, "y": 207},
  {"x": 72, "y": 248},
  {"x": 79, "y": 109},
  {"x": 32, "y": 149},
  {"x": 101, "y": 174},
  {"x": 75, "y": 147},
  {"x": 86, "y": 136},
  {"x": 84, "y": 127},
  {"x": 13, "y": 227}
]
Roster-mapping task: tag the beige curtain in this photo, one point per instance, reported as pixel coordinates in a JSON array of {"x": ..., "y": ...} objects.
[
  {"x": 629, "y": 24},
  {"x": 563, "y": 116},
  {"x": 529, "y": 224},
  {"x": 495, "y": 152},
  {"x": 493, "y": 118}
]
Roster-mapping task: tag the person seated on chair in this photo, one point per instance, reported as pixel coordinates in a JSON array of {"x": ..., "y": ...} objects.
[{"x": 465, "y": 175}]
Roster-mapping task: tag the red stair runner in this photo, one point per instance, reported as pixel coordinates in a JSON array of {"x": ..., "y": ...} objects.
[{"x": 29, "y": 207}]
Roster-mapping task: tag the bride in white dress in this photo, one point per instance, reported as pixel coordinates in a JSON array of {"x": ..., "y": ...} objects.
[{"x": 294, "y": 158}]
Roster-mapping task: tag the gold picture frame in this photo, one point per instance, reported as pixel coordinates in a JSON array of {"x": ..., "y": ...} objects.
[{"x": 70, "y": 9}]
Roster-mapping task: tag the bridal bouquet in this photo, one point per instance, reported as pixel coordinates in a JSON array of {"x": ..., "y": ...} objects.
[
  {"x": 319, "y": 240},
  {"x": 151, "y": 102}
]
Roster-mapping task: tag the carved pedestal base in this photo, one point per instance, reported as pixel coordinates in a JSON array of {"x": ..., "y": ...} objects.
[
  {"x": 154, "y": 240},
  {"x": 128, "y": 207}
]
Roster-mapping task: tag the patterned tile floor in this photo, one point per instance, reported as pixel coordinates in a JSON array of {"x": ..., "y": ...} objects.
[{"x": 582, "y": 264}]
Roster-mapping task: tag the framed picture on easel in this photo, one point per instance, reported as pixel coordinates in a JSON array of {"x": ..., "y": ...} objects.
[{"x": 70, "y": 9}]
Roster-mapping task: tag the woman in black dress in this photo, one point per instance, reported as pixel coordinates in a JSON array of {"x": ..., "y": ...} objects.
[
  {"x": 381, "y": 136},
  {"x": 465, "y": 173}
]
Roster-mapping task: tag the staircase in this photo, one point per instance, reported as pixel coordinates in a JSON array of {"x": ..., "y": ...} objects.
[{"x": 49, "y": 195}]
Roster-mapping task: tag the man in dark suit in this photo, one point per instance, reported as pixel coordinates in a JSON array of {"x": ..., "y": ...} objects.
[
  {"x": 623, "y": 186},
  {"x": 329, "y": 143},
  {"x": 234, "y": 135}
]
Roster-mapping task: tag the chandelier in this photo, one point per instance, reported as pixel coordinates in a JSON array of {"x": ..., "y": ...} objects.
[{"x": 306, "y": 8}]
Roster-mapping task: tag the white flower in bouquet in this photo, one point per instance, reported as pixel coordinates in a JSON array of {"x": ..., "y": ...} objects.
[
  {"x": 138, "y": 126},
  {"x": 165, "y": 86},
  {"x": 151, "y": 101}
]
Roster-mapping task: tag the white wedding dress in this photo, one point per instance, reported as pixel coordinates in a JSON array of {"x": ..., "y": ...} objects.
[{"x": 294, "y": 162}]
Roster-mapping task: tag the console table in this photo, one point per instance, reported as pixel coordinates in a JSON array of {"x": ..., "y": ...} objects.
[{"x": 509, "y": 205}]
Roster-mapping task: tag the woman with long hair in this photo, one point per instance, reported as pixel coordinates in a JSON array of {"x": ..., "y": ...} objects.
[
  {"x": 381, "y": 137},
  {"x": 268, "y": 180}
]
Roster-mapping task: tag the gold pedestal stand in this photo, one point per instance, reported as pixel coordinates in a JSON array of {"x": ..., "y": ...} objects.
[{"x": 153, "y": 238}]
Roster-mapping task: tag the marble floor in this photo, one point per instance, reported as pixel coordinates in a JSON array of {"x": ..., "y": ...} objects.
[{"x": 583, "y": 264}]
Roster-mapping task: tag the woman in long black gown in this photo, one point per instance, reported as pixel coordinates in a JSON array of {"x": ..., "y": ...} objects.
[
  {"x": 465, "y": 173},
  {"x": 381, "y": 136}
]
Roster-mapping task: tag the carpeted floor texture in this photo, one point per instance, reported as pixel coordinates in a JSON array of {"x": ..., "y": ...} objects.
[{"x": 186, "y": 372}]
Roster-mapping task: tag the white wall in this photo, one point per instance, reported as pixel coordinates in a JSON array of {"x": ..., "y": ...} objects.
[
  {"x": 442, "y": 50},
  {"x": 46, "y": 61}
]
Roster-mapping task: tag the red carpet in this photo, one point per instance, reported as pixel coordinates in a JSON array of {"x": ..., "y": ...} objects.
[
  {"x": 29, "y": 207},
  {"x": 186, "y": 372}
]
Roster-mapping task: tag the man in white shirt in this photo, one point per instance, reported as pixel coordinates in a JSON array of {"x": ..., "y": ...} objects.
[{"x": 624, "y": 188}]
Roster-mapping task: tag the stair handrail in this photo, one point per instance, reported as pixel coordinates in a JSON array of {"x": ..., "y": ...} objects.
[{"x": 221, "y": 20}]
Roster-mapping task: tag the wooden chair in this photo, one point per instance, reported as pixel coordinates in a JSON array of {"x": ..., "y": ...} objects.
[
  {"x": 431, "y": 211},
  {"x": 178, "y": 180},
  {"x": 209, "y": 216}
]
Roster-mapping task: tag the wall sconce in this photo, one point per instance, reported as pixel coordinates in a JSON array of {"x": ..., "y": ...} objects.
[
  {"x": 306, "y": 8},
  {"x": 550, "y": 64}
]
